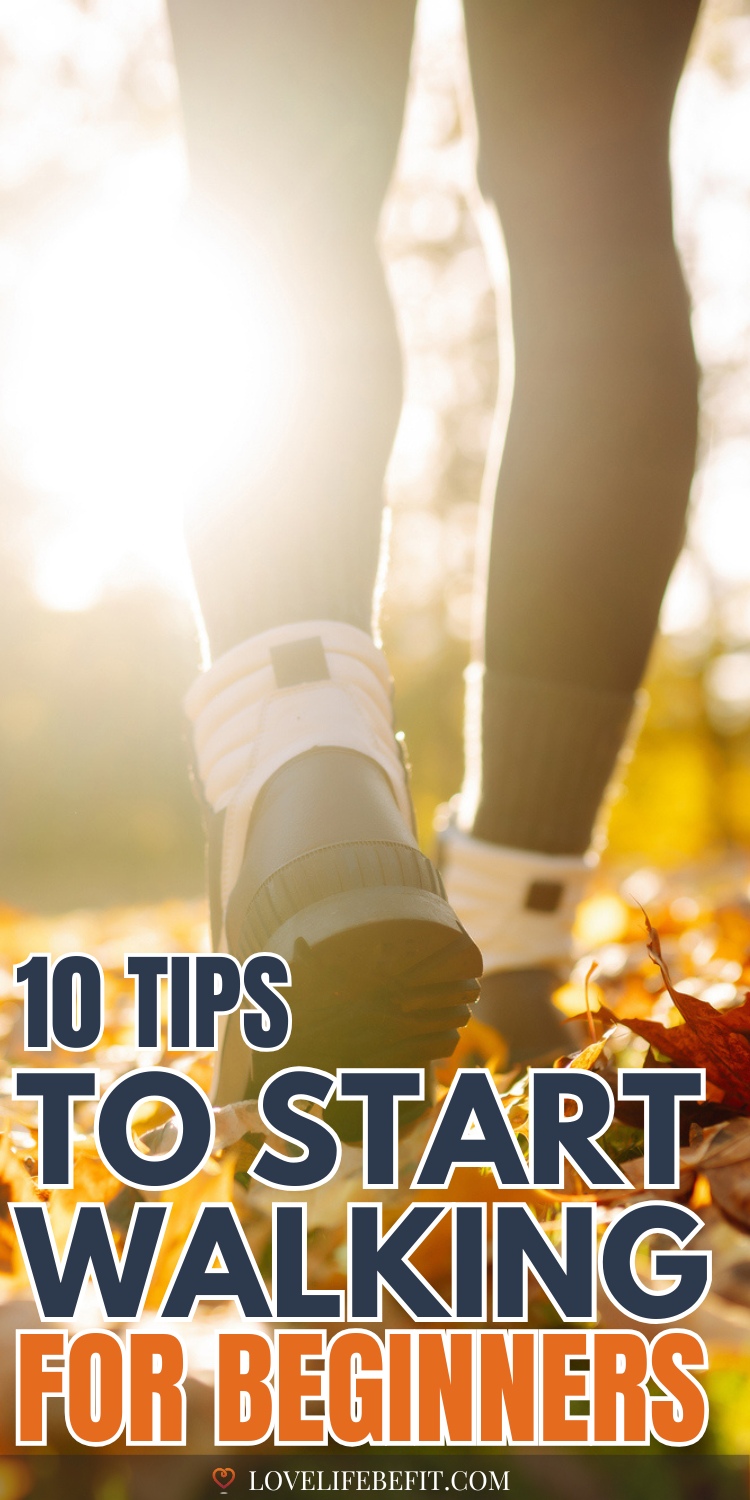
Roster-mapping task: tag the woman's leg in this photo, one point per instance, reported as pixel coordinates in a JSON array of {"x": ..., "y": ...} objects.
[
  {"x": 293, "y": 113},
  {"x": 573, "y": 101}
]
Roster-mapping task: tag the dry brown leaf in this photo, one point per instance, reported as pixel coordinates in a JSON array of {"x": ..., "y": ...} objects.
[{"x": 718, "y": 1041}]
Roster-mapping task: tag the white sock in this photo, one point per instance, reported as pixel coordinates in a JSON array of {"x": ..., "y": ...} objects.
[
  {"x": 517, "y": 905},
  {"x": 295, "y": 688}
]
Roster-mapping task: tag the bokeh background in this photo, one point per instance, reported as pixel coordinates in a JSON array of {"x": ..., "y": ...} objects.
[{"x": 97, "y": 639}]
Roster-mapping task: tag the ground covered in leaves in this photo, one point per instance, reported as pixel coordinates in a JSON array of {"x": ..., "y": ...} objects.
[{"x": 644, "y": 990}]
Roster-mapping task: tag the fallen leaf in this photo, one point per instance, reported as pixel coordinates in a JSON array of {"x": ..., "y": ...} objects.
[
  {"x": 638, "y": 1192},
  {"x": 590, "y": 1054},
  {"x": 718, "y": 1041}
]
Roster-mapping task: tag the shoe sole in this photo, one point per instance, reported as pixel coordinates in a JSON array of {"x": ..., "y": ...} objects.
[{"x": 383, "y": 974}]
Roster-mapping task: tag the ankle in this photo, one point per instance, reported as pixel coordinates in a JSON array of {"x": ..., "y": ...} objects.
[
  {"x": 267, "y": 702},
  {"x": 519, "y": 905}
]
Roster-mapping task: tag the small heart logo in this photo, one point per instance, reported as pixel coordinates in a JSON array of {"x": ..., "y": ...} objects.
[{"x": 224, "y": 1477}]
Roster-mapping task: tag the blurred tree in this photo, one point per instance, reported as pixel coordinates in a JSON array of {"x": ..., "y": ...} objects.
[{"x": 95, "y": 801}]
